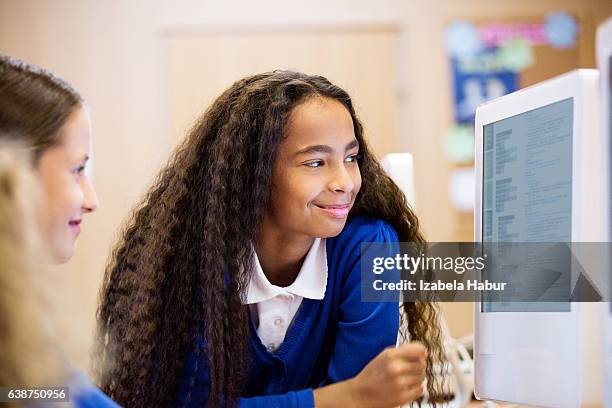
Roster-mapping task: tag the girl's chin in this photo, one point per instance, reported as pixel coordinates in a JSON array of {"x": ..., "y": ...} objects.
[
  {"x": 333, "y": 230},
  {"x": 63, "y": 254}
]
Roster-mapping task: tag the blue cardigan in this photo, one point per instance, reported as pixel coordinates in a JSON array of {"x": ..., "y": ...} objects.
[{"x": 331, "y": 340}]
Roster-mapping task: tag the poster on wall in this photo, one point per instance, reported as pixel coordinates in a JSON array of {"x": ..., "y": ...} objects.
[
  {"x": 476, "y": 81},
  {"x": 489, "y": 59}
]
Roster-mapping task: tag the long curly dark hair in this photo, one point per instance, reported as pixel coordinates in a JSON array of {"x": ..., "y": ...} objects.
[{"x": 182, "y": 262}]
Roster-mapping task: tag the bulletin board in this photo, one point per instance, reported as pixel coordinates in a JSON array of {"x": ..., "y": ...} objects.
[{"x": 491, "y": 58}]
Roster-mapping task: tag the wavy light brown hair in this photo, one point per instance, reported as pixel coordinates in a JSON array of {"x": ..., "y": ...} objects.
[
  {"x": 182, "y": 262},
  {"x": 27, "y": 355},
  {"x": 34, "y": 105}
]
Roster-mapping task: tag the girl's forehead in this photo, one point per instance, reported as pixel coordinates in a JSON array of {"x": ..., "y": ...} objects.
[
  {"x": 76, "y": 132},
  {"x": 319, "y": 119}
]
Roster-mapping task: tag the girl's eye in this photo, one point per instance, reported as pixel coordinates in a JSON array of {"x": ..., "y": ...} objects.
[
  {"x": 353, "y": 158},
  {"x": 79, "y": 170},
  {"x": 314, "y": 164}
]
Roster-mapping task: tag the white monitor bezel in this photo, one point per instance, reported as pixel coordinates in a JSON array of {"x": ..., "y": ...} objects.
[
  {"x": 566, "y": 86},
  {"x": 604, "y": 53}
]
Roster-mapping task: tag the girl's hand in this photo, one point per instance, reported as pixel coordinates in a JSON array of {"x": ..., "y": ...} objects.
[{"x": 395, "y": 377}]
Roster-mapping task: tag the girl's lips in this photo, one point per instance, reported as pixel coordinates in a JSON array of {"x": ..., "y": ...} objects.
[
  {"x": 335, "y": 210},
  {"x": 75, "y": 225}
]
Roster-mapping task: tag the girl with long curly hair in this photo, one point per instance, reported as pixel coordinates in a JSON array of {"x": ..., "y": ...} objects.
[
  {"x": 45, "y": 143},
  {"x": 237, "y": 279}
]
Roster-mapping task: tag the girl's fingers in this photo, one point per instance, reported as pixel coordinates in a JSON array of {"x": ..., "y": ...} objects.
[
  {"x": 412, "y": 351},
  {"x": 404, "y": 368},
  {"x": 410, "y": 366}
]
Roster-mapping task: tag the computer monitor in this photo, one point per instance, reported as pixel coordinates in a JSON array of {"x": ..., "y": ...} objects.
[
  {"x": 604, "y": 63},
  {"x": 538, "y": 168}
]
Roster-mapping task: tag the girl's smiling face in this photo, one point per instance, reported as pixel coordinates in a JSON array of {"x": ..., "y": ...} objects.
[
  {"x": 67, "y": 189},
  {"x": 316, "y": 175}
]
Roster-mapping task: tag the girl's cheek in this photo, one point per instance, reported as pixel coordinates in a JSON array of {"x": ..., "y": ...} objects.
[
  {"x": 313, "y": 189},
  {"x": 357, "y": 181}
]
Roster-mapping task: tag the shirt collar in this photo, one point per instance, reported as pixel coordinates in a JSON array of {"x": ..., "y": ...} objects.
[{"x": 310, "y": 282}]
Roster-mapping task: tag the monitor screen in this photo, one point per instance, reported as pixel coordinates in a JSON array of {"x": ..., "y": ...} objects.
[{"x": 527, "y": 185}]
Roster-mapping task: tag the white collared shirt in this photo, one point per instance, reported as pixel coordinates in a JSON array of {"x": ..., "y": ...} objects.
[{"x": 273, "y": 308}]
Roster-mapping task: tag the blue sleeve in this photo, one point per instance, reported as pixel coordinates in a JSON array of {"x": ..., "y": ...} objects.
[
  {"x": 92, "y": 398},
  {"x": 83, "y": 394},
  {"x": 295, "y": 399},
  {"x": 364, "y": 328},
  {"x": 194, "y": 392}
]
